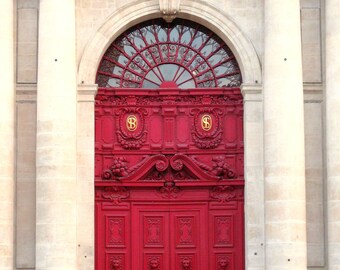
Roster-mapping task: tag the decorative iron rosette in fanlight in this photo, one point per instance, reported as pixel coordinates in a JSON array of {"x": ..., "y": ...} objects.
[
  {"x": 207, "y": 131},
  {"x": 131, "y": 133}
]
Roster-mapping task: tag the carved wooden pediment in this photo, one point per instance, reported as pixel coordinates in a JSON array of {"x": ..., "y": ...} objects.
[{"x": 165, "y": 167}]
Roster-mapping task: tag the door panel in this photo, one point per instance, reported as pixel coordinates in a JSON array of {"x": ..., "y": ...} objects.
[
  {"x": 113, "y": 238},
  {"x": 188, "y": 237},
  {"x": 176, "y": 234},
  {"x": 169, "y": 179},
  {"x": 226, "y": 239},
  {"x": 169, "y": 237},
  {"x": 154, "y": 244}
]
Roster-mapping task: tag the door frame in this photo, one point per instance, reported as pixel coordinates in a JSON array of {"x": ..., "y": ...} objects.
[{"x": 222, "y": 25}]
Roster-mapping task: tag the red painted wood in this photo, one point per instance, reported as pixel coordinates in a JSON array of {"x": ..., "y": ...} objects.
[{"x": 169, "y": 179}]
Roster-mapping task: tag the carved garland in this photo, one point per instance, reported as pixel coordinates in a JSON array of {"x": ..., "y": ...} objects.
[
  {"x": 105, "y": 98},
  {"x": 179, "y": 167}
]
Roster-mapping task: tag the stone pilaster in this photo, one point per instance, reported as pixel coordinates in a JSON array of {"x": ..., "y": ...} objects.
[
  {"x": 7, "y": 113},
  {"x": 284, "y": 155},
  {"x": 332, "y": 103},
  {"x": 253, "y": 168},
  {"x": 56, "y": 137},
  {"x": 85, "y": 175}
]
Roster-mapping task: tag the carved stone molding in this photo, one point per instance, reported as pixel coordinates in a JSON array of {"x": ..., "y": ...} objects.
[{"x": 169, "y": 9}]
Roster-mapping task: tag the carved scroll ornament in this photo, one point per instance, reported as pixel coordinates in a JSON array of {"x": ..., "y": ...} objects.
[
  {"x": 115, "y": 194},
  {"x": 224, "y": 194},
  {"x": 161, "y": 167}
]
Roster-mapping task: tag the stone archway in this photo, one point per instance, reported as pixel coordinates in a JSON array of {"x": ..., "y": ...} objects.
[
  {"x": 212, "y": 18},
  {"x": 205, "y": 14}
]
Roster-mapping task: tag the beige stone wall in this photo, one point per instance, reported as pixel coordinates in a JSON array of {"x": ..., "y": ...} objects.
[{"x": 91, "y": 15}]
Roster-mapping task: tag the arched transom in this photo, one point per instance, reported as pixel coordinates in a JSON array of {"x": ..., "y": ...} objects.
[{"x": 156, "y": 54}]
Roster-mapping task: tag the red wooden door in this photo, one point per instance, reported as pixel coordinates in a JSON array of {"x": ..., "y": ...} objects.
[
  {"x": 169, "y": 179},
  {"x": 169, "y": 153},
  {"x": 191, "y": 231}
]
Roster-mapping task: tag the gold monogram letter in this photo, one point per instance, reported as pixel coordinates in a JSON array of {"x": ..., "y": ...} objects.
[
  {"x": 131, "y": 123},
  {"x": 206, "y": 122}
]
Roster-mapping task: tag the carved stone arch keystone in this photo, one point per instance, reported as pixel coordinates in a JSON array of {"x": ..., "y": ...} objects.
[{"x": 169, "y": 9}]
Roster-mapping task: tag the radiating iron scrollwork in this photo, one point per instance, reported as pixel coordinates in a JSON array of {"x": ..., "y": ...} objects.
[{"x": 157, "y": 54}]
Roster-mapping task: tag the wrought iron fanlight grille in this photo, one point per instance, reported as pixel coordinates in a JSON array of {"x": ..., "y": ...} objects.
[{"x": 156, "y": 54}]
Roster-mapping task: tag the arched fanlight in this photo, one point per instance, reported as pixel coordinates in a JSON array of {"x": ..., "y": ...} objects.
[{"x": 156, "y": 54}]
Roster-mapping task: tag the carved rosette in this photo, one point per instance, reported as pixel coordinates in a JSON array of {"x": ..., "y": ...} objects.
[
  {"x": 224, "y": 194},
  {"x": 131, "y": 132},
  {"x": 115, "y": 194},
  {"x": 207, "y": 131}
]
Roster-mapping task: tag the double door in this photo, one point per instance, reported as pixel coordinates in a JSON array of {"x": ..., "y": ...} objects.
[
  {"x": 192, "y": 232},
  {"x": 169, "y": 237}
]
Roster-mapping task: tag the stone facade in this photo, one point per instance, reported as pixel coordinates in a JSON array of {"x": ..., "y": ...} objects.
[{"x": 287, "y": 52}]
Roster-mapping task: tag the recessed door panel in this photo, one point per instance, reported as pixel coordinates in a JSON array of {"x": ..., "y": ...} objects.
[{"x": 150, "y": 238}]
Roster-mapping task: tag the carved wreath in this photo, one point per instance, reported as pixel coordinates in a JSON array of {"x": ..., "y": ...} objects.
[
  {"x": 131, "y": 140},
  {"x": 203, "y": 139}
]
